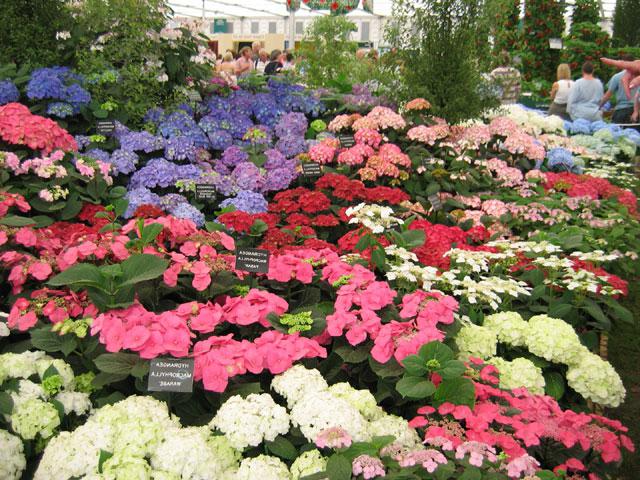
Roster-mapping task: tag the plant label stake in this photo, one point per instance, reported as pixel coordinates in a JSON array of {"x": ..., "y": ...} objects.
[
  {"x": 206, "y": 192},
  {"x": 194, "y": 96},
  {"x": 105, "y": 127},
  {"x": 254, "y": 260},
  {"x": 346, "y": 141},
  {"x": 311, "y": 169},
  {"x": 171, "y": 375},
  {"x": 435, "y": 201}
]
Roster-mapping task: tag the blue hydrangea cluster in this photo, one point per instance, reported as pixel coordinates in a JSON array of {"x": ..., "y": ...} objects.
[
  {"x": 8, "y": 92},
  {"x": 247, "y": 201},
  {"x": 159, "y": 172},
  {"x": 561, "y": 160},
  {"x": 124, "y": 162},
  {"x": 59, "y": 84},
  {"x": 181, "y": 148},
  {"x": 585, "y": 127},
  {"x": 141, "y": 142},
  {"x": 60, "y": 109}
]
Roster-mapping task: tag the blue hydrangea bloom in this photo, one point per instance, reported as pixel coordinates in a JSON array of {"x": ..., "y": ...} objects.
[
  {"x": 247, "y": 201},
  {"x": 8, "y": 92}
]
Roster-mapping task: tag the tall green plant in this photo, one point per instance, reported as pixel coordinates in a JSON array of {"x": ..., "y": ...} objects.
[
  {"x": 625, "y": 23},
  {"x": 585, "y": 11},
  {"x": 29, "y": 31},
  {"x": 543, "y": 19},
  {"x": 437, "y": 56},
  {"x": 504, "y": 18},
  {"x": 328, "y": 52}
]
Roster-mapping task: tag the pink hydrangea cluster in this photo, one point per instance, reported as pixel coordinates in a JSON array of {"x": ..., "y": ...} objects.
[
  {"x": 428, "y": 135},
  {"x": 355, "y": 155},
  {"x": 421, "y": 313},
  {"x": 417, "y": 104},
  {"x": 368, "y": 136},
  {"x": 333, "y": 437},
  {"x": 387, "y": 162},
  {"x": 506, "y": 175},
  {"x": 18, "y": 126},
  {"x": 298, "y": 264},
  {"x": 504, "y": 126},
  {"x": 45, "y": 167},
  {"x": 8, "y": 200},
  {"x": 429, "y": 459},
  {"x": 520, "y": 143},
  {"x": 477, "y": 451},
  {"x": 322, "y": 153},
  {"x": 367, "y": 466},
  {"x": 472, "y": 137},
  {"x": 380, "y": 118},
  {"x": 342, "y": 122}
]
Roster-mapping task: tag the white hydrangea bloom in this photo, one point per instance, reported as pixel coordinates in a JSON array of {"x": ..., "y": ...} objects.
[
  {"x": 188, "y": 454},
  {"x": 396, "y": 426},
  {"x": 376, "y": 218},
  {"x": 64, "y": 370},
  {"x": 308, "y": 463},
  {"x": 477, "y": 261},
  {"x": 318, "y": 411},
  {"x": 4, "y": 330},
  {"x": 263, "y": 467},
  {"x": 34, "y": 417},
  {"x": 597, "y": 256},
  {"x": 400, "y": 254},
  {"x": 475, "y": 341},
  {"x": 249, "y": 421},
  {"x": 553, "y": 339},
  {"x": 363, "y": 400},
  {"x": 296, "y": 382},
  {"x": 509, "y": 327},
  {"x": 19, "y": 365},
  {"x": 594, "y": 378},
  {"x": 27, "y": 390},
  {"x": 12, "y": 460},
  {"x": 125, "y": 465},
  {"x": 519, "y": 372},
  {"x": 76, "y": 402}
]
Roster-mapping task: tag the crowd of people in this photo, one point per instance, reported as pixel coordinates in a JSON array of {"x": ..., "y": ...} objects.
[
  {"x": 255, "y": 59},
  {"x": 584, "y": 98}
]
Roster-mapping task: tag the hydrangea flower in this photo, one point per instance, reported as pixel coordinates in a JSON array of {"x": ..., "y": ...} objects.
[
  {"x": 246, "y": 201},
  {"x": 8, "y": 92}
]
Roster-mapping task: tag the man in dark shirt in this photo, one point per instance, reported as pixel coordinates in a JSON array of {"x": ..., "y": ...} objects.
[{"x": 275, "y": 65}]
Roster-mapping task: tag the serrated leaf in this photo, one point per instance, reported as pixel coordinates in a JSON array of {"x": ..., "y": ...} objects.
[
  {"x": 386, "y": 370},
  {"x": 45, "y": 339},
  {"x": 282, "y": 447},
  {"x": 413, "y": 238},
  {"x": 117, "y": 363},
  {"x": 338, "y": 468},
  {"x": 352, "y": 355},
  {"x": 415, "y": 387},
  {"x": 16, "y": 221},
  {"x": 451, "y": 369},
  {"x": 6, "y": 403},
  {"x": 81, "y": 274},
  {"x": 59, "y": 408},
  {"x": 103, "y": 378},
  {"x": 459, "y": 391},
  {"x": 104, "y": 456},
  {"x": 50, "y": 372},
  {"x": 151, "y": 232},
  {"x": 559, "y": 310},
  {"x": 141, "y": 267},
  {"x": 436, "y": 351},
  {"x": 471, "y": 473},
  {"x": 140, "y": 369},
  {"x": 415, "y": 365},
  {"x": 554, "y": 384}
]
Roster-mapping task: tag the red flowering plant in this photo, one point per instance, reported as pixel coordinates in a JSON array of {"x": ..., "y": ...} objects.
[{"x": 38, "y": 160}]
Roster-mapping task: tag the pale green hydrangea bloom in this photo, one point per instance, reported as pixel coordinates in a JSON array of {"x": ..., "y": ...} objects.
[
  {"x": 363, "y": 400},
  {"x": 595, "y": 379},
  {"x": 308, "y": 463},
  {"x": 475, "y": 341},
  {"x": 12, "y": 460},
  {"x": 520, "y": 372},
  {"x": 263, "y": 467},
  {"x": 34, "y": 417},
  {"x": 509, "y": 327}
]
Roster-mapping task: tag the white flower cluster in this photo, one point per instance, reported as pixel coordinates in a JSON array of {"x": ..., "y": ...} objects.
[
  {"x": 583, "y": 281},
  {"x": 376, "y": 218},
  {"x": 477, "y": 261},
  {"x": 251, "y": 420},
  {"x": 526, "y": 247},
  {"x": 145, "y": 441},
  {"x": 518, "y": 373},
  {"x": 33, "y": 413},
  {"x": 263, "y": 467},
  {"x": 316, "y": 407},
  {"x": 486, "y": 290},
  {"x": 597, "y": 256},
  {"x": 533, "y": 122},
  {"x": 405, "y": 269},
  {"x": 308, "y": 463},
  {"x": 549, "y": 338},
  {"x": 12, "y": 460}
]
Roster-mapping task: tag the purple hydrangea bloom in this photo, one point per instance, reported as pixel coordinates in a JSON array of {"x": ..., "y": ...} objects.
[
  {"x": 241, "y": 101},
  {"x": 275, "y": 159},
  {"x": 279, "y": 179},
  {"x": 292, "y": 124},
  {"x": 154, "y": 115},
  {"x": 291, "y": 146},
  {"x": 124, "y": 161},
  {"x": 8, "y": 92},
  {"x": 140, "y": 196},
  {"x": 232, "y": 156},
  {"x": 248, "y": 177},
  {"x": 141, "y": 141},
  {"x": 180, "y": 148},
  {"x": 83, "y": 141},
  {"x": 98, "y": 154},
  {"x": 189, "y": 212},
  {"x": 225, "y": 184},
  {"x": 247, "y": 201},
  {"x": 220, "y": 140},
  {"x": 158, "y": 172}
]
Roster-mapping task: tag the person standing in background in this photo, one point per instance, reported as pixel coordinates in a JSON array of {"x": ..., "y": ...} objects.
[
  {"x": 585, "y": 96},
  {"x": 508, "y": 78},
  {"x": 624, "y": 103},
  {"x": 244, "y": 64},
  {"x": 275, "y": 65},
  {"x": 560, "y": 92},
  {"x": 255, "y": 51},
  {"x": 261, "y": 62}
]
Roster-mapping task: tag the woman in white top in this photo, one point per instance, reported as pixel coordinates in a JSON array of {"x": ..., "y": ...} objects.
[
  {"x": 227, "y": 70},
  {"x": 560, "y": 92}
]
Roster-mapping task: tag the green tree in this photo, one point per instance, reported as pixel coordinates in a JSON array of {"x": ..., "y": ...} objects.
[
  {"x": 543, "y": 19},
  {"x": 436, "y": 57},
  {"x": 626, "y": 17},
  {"x": 329, "y": 54},
  {"x": 585, "y": 11},
  {"x": 29, "y": 32},
  {"x": 504, "y": 19}
]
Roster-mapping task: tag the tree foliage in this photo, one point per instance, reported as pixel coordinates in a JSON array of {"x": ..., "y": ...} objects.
[
  {"x": 626, "y": 18},
  {"x": 543, "y": 20},
  {"x": 436, "y": 47},
  {"x": 29, "y": 31},
  {"x": 585, "y": 11}
]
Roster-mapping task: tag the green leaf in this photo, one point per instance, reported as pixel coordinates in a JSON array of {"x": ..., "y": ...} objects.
[
  {"x": 99, "y": 113},
  {"x": 432, "y": 189},
  {"x": 118, "y": 363},
  {"x": 338, "y": 468},
  {"x": 459, "y": 391},
  {"x": 259, "y": 227},
  {"x": 103, "y": 378},
  {"x": 16, "y": 221},
  {"x": 6, "y": 403},
  {"x": 120, "y": 206},
  {"x": 282, "y": 447},
  {"x": 415, "y": 387},
  {"x": 151, "y": 232},
  {"x": 620, "y": 312},
  {"x": 378, "y": 257},
  {"x": 352, "y": 355},
  {"x": 386, "y": 370},
  {"x": 104, "y": 456},
  {"x": 117, "y": 192},
  {"x": 413, "y": 238},
  {"x": 82, "y": 274},
  {"x": 140, "y": 369},
  {"x": 471, "y": 473},
  {"x": 554, "y": 384},
  {"x": 436, "y": 351},
  {"x": 50, "y": 372},
  {"x": 452, "y": 369},
  {"x": 415, "y": 365},
  {"x": 45, "y": 339},
  {"x": 594, "y": 310},
  {"x": 363, "y": 243},
  {"x": 141, "y": 267},
  {"x": 559, "y": 310},
  {"x": 69, "y": 344}
]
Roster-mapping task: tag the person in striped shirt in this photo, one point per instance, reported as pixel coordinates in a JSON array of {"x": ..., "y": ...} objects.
[{"x": 508, "y": 78}]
